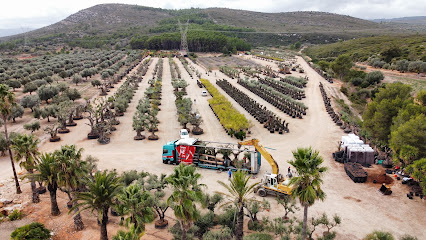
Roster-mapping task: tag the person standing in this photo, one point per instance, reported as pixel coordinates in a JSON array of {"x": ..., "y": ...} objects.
[{"x": 229, "y": 174}]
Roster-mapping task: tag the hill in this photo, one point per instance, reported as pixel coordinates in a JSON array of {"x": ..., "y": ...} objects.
[
  {"x": 409, "y": 20},
  {"x": 417, "y": 23},
  {"x": 412, "y": 48},
  {"x": 110, "y": 24}
]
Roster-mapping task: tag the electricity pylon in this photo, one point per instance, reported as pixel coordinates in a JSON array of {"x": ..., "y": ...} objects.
[{"x": 183, "y": 41}]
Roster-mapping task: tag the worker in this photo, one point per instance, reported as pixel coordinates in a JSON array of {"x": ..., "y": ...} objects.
[
  {"x": 289, "y": 170},
  {"x": 229, "y": 174}
]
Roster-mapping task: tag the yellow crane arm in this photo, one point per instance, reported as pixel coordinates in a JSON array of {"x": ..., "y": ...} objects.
[{"x": 254, "y": 142}]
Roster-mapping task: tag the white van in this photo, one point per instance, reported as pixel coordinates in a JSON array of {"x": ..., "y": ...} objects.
[
  {"x": 204, "y": 93},
  {"x": 184, "y": 133}
]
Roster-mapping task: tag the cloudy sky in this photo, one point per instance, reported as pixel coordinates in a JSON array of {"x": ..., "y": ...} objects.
[{"x": 39, "y": 13}]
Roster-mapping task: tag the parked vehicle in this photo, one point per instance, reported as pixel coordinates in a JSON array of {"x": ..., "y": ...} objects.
[{"x": 213, "y": 155}]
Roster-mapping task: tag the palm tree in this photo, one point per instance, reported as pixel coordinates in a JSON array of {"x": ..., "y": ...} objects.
[
  {"x": 71, "y": 169},
  {"x": 26, "y": 154},
  {"x": 186, "y": 192},
  {"x": 7, "y": 100},
  {"x": 99, "y": 197},
  {"x": 137, "y": 203},
  {"x": 307, "y": 185},
  {"x": 239, "y": 189},
  {"x": 46, "y": 172}
]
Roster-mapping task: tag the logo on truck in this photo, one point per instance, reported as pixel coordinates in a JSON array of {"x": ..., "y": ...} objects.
[{"x": 186, "y": 153}]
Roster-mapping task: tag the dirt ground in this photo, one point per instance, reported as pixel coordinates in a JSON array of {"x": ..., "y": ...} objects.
[
  {"x": 417, "y": 81},
  {"x": 361, "y": 206}
]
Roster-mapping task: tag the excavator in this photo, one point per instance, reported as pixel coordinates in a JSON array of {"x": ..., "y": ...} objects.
[{"x": 272, "y": 183}]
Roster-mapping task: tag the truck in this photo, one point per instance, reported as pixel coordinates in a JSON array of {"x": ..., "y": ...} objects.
[
  {"x": 272, "y": 183},
  {"x": 213, "y": 155}
]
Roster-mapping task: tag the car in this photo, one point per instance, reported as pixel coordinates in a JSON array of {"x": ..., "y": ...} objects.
[
  {"x": 204, "y": 93},
  {"x": 184, "y": 133}
]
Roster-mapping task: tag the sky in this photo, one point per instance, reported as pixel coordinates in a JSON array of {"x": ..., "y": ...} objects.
[{"x": 38, "y": 13}]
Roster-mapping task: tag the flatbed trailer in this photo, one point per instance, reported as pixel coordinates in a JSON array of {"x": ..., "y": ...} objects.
[{"x": 212, "y": 155}]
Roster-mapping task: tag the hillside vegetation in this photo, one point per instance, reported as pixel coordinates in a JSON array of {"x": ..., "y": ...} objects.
[
  {"x": 114, "y": 25},
  {"x": 412, "y": 48}
]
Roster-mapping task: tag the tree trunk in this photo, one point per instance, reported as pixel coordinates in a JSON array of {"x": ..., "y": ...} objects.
[
  {"x": 18, "y": 188},
  {"x": 78, "y": 222},
  {"x": 305, "y": 221},
  {"x": 104, "y": 222},
  {"x": 184, "y": 237},
  {"x": 240, "y": 224},
  {"x": 35, "y": 196},
  {"x": 54, "y": 209}
]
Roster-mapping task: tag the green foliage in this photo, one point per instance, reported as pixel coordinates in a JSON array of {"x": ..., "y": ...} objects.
[
  {"x": 224, "y": 233},
  {"x": 408, "y": 237},
  {"x": 228, "y": 217},
  {"x": 129, "y": 177},
  {"x": 204, "y": 223},
  {"x": 102, "y": 190},
  {"x": 259, "y": 236},
  {"x": 17, "y": 112},
  {"x": 47, "y": 92},
  {"x": 136, "y": 204},
  {"x": 132, "y": 234},
  {"x": 418, "y": 170},
  {"x": 289, "y": 205},
  {"x": 15, "y": 215},
  {"x": 14, "y": 84},
  {"x": 342, "y": 65},
  {"x": 421, "y": 97},
  {"x": 30, "y": 87},
  {"x": 378, "y": 235},
  {"x": 228, "y": 116},
  {"x": 30, "y": 101},
  {"x": 374, "y": 77},
  {"x": 72, "y": 93},
  {"x": 390, "y": 53},
  {"x": 361, "y": 49},
  {"x": 384, "y": 107},
  {"x": 408, "y": 139},
  {"x": 186, "y": 192},
  {"x": 324, "y": 65},
  {"x": 32, "y": 231},
  {"x": 307, "y": 186},
  {"x": 198, "y": 41}
]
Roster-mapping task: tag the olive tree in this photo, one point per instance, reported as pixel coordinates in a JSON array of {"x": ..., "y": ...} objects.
[
  {"x": 30, "y": 101},
  {"x": 17, "y": 112},
  {"x": 76, "y": 79},
  {"x": 47, "y": 92},
  {"x": 14, "y": 84},
  {"x": 30, "y": 87}
]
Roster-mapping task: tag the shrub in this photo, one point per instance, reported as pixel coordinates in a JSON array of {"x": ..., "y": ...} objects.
[
  {"x": 31, "y": 231},
  {"x": 408, "y": 237},
  {"x": 223, "y": 234},
  {"x": 344, "y": 90},
  {"x": 374, "y": 77},
  {"x": 128, "y": 177},
  {"x": 15, "y": 215},
  {"x": 357, "y": 81},
  {"x": 378, "y": 235},
  {"x": 259, "y": 236},
  {"x": 204, "y": 223},
  {"x": 256, "y": 226},
  {"x": 34, "y": 126},
  {"x": 228, "y": 217},
  {"x": 402, "y": 65}
]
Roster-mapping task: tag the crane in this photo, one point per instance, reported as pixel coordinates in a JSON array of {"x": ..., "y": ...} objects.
[{"x": 272, "y": 183}]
